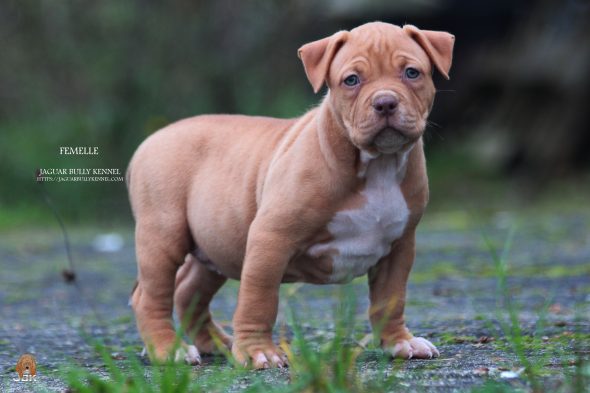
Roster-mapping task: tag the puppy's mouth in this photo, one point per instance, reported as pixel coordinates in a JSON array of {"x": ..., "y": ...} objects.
[{"x": 389, "y": 140}]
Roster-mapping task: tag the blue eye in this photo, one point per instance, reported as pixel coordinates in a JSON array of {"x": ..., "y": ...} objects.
[
  {"x": 352, "y": 80},
  {"x": 412, "y": 73}
]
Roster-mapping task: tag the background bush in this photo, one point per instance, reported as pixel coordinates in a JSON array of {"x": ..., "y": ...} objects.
[{"x": 108, "y": 73}]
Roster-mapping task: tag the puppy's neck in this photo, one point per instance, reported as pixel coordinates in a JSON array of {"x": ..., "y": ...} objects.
[{"x": 396, "y": 163}]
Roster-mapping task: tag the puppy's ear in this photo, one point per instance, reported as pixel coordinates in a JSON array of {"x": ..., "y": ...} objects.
[
  {"x": 438, "y": 45},
  {"x": 20, "y": 369},
  {"x": 318, "y": 55}
]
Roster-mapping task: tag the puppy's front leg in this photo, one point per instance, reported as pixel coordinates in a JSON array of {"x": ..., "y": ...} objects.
[
  {"x": 387, "y": 283},
  {"x": 267, "y": 255}
]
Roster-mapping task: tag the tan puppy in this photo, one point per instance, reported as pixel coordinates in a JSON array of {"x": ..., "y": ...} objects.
[{"x": 324, "y": 198}]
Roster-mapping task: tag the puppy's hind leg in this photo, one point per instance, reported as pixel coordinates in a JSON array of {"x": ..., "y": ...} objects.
[
  {"x": 196, "y": 285},
  {"x": 160, "y": 246}
]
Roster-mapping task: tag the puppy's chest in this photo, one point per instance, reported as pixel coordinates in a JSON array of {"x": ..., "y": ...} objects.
[{"x": 364, "y": 234}]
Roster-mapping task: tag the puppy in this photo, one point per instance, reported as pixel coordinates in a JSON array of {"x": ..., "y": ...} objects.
[{"x": 332, "y": 195}]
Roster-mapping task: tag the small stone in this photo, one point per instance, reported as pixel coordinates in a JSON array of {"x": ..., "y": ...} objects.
[
  {"x": 511, "y": 374},
  {"x": 508, "y": 375},
  {"x": 108, "y": 242}
]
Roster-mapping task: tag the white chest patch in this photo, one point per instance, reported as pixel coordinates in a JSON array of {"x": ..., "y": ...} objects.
[{"x": 362, "y": 236}]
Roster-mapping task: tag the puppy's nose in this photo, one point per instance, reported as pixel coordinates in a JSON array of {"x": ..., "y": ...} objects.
[{"x": 385, "y": 104}]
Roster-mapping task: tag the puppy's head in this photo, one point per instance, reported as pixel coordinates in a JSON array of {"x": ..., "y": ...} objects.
[{"x": 380, "y": 81}]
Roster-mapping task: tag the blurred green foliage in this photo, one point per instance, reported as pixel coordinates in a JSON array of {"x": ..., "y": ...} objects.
[{"x": 108, "y": 73}]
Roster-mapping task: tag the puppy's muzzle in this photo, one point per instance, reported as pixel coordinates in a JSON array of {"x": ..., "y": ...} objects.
[
  {"x": 390, "y": 140},
  {"x": 393, "y": 137}
]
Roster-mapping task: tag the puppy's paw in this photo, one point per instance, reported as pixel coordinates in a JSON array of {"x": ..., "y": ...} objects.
[
  {"x": 259, "y": 355},
  {"x": 413, "y": 348},
  {"x": 186, "y": 353},
  {"x": 189, "y": 354}
]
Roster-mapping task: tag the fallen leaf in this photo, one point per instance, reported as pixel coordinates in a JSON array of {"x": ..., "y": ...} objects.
[
  {"x": 481, "y": 371},
  {"x": 117, "y": 356},
  {"x": 68, "y": 275}
]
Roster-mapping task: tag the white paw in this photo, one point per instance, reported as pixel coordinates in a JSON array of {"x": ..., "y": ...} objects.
[
  {"x": 190, "y": 354},
  {"x": 416, "y": 348}
]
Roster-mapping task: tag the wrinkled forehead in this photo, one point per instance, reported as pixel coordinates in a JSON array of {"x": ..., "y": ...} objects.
[{"x": 379, "y": 46}]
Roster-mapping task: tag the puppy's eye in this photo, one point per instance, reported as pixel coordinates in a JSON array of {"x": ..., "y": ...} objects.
[
  {"x": 412, "y": 73},
  {"x": 352, "y": 80}
]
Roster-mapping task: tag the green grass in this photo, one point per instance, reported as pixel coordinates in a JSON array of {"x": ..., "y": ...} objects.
[
  {"x": 328, "y": 366},
  {"x": 131, "y": 376},
  {"x": 520, "y": 344},
  {"x": 339, "y": 364},
  {"x": 479, "y": 270}
]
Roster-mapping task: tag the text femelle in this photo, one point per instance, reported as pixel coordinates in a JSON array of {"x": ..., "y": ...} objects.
[{"x": 79, "y": 150}]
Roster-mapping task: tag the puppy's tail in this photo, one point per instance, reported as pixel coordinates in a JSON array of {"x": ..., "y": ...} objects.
[
  {"x": 128, "y": 174},
  {"x": 132, "y": 292}
]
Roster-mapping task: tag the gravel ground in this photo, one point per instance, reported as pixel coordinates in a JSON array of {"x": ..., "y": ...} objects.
[{"x": 452, "y": 300}]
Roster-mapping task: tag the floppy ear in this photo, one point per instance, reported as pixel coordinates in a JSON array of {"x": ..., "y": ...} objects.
[
  {"x": 438, "y": 45},
  {"x": 20, "y": 369},
  {"x": 318, "y": 55}
]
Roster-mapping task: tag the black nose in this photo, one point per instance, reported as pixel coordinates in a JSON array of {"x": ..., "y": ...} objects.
[{"x": 385, "y": 104}]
